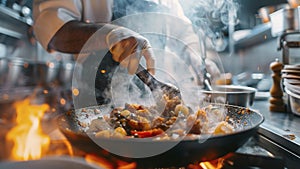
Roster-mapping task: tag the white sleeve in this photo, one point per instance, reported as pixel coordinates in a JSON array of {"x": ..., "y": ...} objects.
[{"x": 50, "y": 15}]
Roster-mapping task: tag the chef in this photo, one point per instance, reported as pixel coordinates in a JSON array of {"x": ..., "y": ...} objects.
[{"x": 66, "y": 25}]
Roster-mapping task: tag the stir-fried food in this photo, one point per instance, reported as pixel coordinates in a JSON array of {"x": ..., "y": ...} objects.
[{"x": 176, "y": 120}]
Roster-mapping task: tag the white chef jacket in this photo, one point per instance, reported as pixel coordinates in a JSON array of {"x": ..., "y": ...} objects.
[{"x": 51, "y": 15}]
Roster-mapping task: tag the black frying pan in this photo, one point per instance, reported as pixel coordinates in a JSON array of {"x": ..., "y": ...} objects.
[{"x": 184, "y": 153}]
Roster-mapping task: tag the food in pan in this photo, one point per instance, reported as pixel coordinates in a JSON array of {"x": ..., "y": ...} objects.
[{"x": 176, "y": 120}]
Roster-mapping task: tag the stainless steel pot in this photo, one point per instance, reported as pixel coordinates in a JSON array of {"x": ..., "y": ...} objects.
[
  {"x": 265, "y": 11},
  {"x": 285, "y": 21},
  {"x": 66, "y": 73},
  {"x": 17, "y": 72},
  {"x": 20, "y": 73},
  {"x": 47, "y": 73},
  {"x": 3, "y": 70},
  {"x": 230, "y": 94}
]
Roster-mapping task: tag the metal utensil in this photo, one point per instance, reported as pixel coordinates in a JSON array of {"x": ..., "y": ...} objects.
[
  {"x": 3, "y": 70},
  {"x": 285, "y": 21},
  {"x": 20, "y": 73},
  {"x": 65, "y": 74},
  {"x": 206, "y": 80},
  {"x": 156, "y": 85},
  {"x": 46, "y": 73},
  {"x": 206, "y": 75},
  {"x": 265, "y": 11},
  {"x": 231, "y": 94}
]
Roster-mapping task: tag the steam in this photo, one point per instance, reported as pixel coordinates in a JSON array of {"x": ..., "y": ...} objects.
[
  {"x": 130, "y": 90},
  {"x": 176, "y": 49},
  {"x": 164, "y": 31},
  {"x": 213, "y": 17},
  {"x": 210, "y": 17}
]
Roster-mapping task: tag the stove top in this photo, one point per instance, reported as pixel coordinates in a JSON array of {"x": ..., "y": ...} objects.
[
  {"x": 279, "y": 134},
  {"x": 250, "y": 155}
]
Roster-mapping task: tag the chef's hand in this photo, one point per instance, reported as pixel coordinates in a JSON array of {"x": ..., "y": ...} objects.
[{"x": 127, "y": 48}]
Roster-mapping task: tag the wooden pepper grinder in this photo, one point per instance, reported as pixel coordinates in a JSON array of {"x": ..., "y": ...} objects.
[{"x": 276, "y": 100}]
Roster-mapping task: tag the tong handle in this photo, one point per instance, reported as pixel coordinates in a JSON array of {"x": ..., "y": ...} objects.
[
  {"x": 154, "y": 84},
  {"x": 147, "y": 78}
]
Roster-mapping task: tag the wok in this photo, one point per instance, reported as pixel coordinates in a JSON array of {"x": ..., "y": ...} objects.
[{"x": 185, "y": 152}]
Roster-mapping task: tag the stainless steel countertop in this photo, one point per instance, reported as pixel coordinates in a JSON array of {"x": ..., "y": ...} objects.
[{"x": 283, "y": 128}]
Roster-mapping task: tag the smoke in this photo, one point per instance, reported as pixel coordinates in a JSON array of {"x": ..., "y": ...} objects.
[
  {"x": 170, "y": 32},
  {"x": 153, "y": 20},
  {"x": 170, "y": 27},
  {"x": 176, "y": 49},
  {"x": 213, "y": 17}
]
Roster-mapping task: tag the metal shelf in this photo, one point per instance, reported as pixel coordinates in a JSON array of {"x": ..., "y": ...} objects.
[
  {"x": 12, "y": 25},
  {"x": 258, "y": 35}
]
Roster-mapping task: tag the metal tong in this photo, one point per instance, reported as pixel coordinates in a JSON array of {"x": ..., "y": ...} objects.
[
  {"x": 155, "y": 85},
  {"x": 206, "y": 75}
]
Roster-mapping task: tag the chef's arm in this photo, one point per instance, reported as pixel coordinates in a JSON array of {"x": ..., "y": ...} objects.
[
  {"x": 126, "y": 46},
  {"x": 73, "y": 35}
]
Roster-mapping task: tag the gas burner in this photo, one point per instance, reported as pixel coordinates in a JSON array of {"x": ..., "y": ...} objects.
[{"x": 245, "y": 161}]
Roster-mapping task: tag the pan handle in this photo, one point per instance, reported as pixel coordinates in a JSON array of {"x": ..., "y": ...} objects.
[{"x": 240, "y": 160}]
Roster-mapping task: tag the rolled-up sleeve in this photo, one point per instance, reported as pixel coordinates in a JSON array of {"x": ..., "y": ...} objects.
[{"x": 50, "y": 15}]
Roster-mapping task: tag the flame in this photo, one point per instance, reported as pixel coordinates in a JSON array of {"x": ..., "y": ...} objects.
[
  {"x": 112, "y": 163},
  {"x": 29, "y": 142},
  {"x": 69, "y": 147},
  {"x": 216, "y": 164},
  {"x": 101, "y": 162},
  {"x": 109, "y": 163}
]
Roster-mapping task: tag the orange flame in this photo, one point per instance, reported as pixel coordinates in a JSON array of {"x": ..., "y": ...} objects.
[
  {"x": 101, "y": 162},
  {"x": 216, "y": 164},
  {"x": 109, "y": 163},
  {"x": 27, "y": 136}
]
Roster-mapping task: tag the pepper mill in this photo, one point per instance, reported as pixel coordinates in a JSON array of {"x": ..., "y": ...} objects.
[{"x": 276, "y": 100}]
